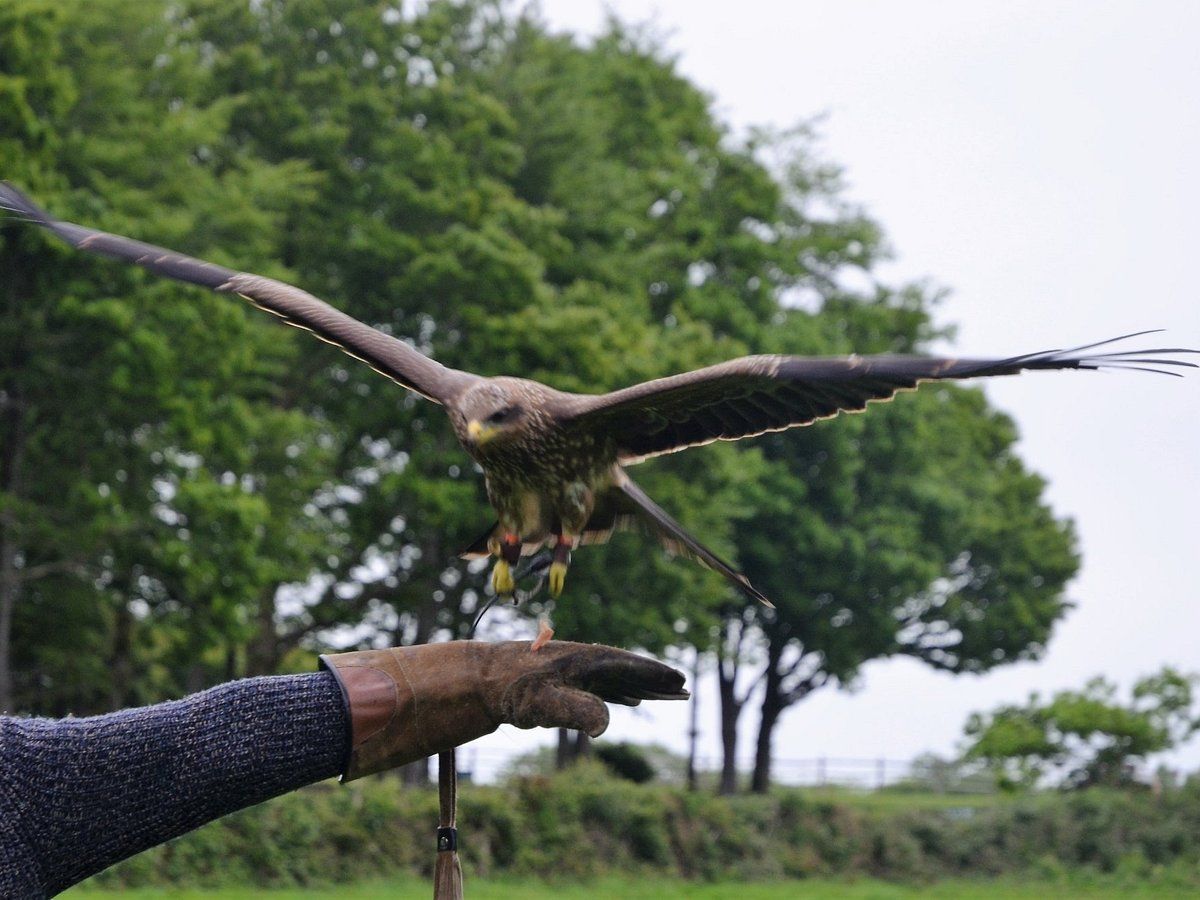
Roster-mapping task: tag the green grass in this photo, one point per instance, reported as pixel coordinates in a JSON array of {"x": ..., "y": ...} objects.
[
  {"x": 655, "y": 888},
  {"x": 895, "y": 800}
]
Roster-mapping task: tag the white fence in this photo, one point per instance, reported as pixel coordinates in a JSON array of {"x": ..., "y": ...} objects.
[{"x": 485, "y": 765}]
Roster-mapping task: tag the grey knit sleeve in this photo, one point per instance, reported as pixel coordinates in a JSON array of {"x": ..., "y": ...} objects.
[{"x": 77, "y": 795}]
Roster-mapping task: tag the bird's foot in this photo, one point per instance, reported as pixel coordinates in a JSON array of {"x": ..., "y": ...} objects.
[
  {"x": 558, "y": 568},
  {"x": 557, "y": 577},
  {"x": 502, "y": 578}
]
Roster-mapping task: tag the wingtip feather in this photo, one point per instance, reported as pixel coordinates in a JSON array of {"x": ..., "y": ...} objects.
[{"x": 13, "y": 201}]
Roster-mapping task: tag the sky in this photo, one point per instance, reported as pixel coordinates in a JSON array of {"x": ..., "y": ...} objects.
[{"x": 1042, "y": 161}]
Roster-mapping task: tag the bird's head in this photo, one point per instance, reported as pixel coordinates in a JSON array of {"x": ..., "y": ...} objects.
[{"x": 491, "y": 414}]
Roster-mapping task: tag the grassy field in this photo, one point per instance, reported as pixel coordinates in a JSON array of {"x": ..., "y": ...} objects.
[{"x": 654, "y": 889}]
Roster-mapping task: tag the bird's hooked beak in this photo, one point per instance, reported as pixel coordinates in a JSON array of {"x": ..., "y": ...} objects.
[{"x": 480, "y": 433}]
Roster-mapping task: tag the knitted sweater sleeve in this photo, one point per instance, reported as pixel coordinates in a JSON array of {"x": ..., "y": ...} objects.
[{"x": 77, "y": 795}]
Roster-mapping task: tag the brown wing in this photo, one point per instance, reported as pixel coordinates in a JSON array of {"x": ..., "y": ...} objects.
[
  {"x": 382, "y": 352},
  {"x": 756, "y": 394}
]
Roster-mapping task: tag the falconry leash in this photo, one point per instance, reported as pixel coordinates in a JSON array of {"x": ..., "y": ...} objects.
[{"x": 447, "y": 872}]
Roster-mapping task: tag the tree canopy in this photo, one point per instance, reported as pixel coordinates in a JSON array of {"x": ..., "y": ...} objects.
[
  {"x": 1086, "y": 737},
  {"x": 214, "y": 495}
]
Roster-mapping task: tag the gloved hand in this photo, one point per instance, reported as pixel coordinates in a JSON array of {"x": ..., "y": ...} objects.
[{"x": 407, "y": 703}]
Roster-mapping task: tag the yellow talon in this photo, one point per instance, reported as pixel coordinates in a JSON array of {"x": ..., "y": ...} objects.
[
  {"x": 558, "y": 577},
  {"x": 502, "y": 579}
]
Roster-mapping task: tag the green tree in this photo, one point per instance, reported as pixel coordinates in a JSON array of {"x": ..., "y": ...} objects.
[
  {"x": 114, "y": 383},
  {"x": 409, "y": 226},
  {"x": 1086, "y": 737},
  {"x": 914, "y": 531},
  {"x": 219, "y": 495},
  {"x": 532, "y": 269},
  {"x": 712, "y": 248}
]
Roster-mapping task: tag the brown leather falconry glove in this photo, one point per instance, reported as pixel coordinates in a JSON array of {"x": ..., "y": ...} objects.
[{"x": 407, "y": 703}]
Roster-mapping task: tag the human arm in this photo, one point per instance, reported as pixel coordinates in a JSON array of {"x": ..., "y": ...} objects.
[{"x": 77, "y": 795}]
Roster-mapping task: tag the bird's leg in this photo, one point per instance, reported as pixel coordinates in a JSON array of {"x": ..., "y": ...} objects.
[
  {"x": 558, "y": 568},
  {"x": 510, "y": 555}
]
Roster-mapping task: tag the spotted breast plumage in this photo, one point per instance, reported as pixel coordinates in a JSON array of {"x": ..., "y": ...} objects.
[{"x": 554, "y": 462}]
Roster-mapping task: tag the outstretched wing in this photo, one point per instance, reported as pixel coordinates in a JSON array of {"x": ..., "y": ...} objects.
[
  {"x": 756, "y": 394},
  {"x": 382, "y": 352}
]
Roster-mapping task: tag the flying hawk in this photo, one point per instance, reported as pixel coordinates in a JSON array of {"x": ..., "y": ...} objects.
[{"x": 554, "y": 462}]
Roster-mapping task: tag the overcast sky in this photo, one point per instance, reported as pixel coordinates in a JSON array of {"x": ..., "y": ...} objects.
[{"x": 1043, "y": 162}]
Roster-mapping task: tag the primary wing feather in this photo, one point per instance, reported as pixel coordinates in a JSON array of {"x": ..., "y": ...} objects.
[
  {"x": 757, "y": 394},
  {"x": 390, "y": 357}
]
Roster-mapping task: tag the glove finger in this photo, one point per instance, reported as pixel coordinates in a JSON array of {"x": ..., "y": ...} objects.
[
  {"x": 539, "y": 703},
  {"x": 616, "y": 673},
  {"x": 624, "y": 700}
]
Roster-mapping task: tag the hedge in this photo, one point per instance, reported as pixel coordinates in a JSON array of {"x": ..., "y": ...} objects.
[{"x": 584, "y": 823}]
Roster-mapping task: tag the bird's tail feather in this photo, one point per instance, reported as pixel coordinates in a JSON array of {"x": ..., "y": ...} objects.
[
  {"x": 675, "y": 537},
  {"x": 480, "y": 547}
]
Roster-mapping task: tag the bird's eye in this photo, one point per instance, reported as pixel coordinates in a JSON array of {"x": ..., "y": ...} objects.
[{"x": 499, "y": 415}]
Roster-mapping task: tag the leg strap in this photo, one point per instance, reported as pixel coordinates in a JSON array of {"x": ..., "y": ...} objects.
[{"x": 510, "y": 549}]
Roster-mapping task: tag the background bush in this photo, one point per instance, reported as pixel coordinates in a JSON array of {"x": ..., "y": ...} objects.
[{"x": 585, "y": 823}]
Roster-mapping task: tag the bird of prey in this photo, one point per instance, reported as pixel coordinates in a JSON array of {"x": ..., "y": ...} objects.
[{"x": 554, "y": 462}]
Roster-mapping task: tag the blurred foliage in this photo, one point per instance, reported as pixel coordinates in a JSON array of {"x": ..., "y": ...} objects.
[
  {"x": 586, "y": 824},
  {"x": 931, "y": 773},
  {"x": 639, "y": 763},
  {"x": 189, "y": 492},
  {"x": 1086, "y": 737}
]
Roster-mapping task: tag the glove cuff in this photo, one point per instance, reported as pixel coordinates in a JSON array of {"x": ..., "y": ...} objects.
[{"x": 379, "y": 711}]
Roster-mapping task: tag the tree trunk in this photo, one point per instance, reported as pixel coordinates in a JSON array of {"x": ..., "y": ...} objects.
[
  {"x": 415, "y": 774},
  {"x": 773, "y": 704},
  {"x": 777, "y": 697},
  {"x": 10, "y": 588},
  {"x": 563, "y": 751},
  {"x": 694, "y": 725},
  {"x": 231, "y": 661},
  {"x": 572, "y": 746},
  {"x": 262, "y": 654},
  {"x": 120, "y": 663},
  {"x": 731, "y": 709},
  {"x": 10, "y": 580},
  {"x": 583, "y": 745},
  {"x": 196, "y": 678},
  {"x": 772, "y": 708}
]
